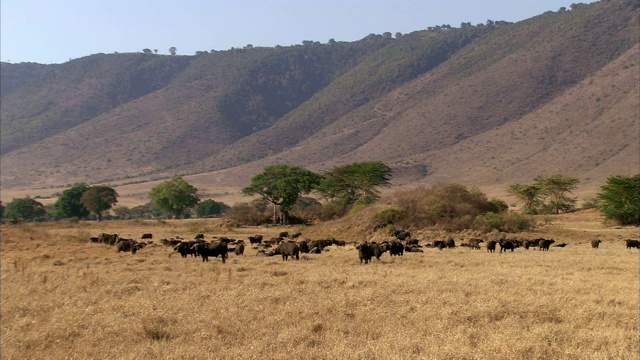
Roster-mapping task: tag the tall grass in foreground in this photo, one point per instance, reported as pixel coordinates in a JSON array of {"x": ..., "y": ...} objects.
[{"x": 66, "y": 298}]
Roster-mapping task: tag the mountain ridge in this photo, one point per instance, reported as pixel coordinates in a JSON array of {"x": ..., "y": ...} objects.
[{"x": 420, "y": 102}]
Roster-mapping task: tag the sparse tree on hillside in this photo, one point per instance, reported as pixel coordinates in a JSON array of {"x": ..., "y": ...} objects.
[
  {"x": 173, "y": 50},
  {"x": 355, "y": 183},
  {"x": 146, "y": 51},
  {"x": 282, "y": 185},
  {"x": 618, "y": 199},
  {"x": 174, "y": 196},
  {"x": 530, "y": 194},
  {"x": 98, "y": 199},
  {"x": 555, "y": 188}
]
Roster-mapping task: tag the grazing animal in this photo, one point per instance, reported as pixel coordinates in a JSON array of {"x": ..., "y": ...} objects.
[
  {"x": 284, "y": 234},
  {"x": 239, "y": 248},
  {"x": 526, "y": 244},
  {"x": 595, "y": 243},
  {"x": 303, "y": 246},
  {"x": 338, "y": 242},
  {"x": 289, "y": 248},
  {"x": 296, "y": 235},
  {"x": 378, "y": 249},
  {"x": 365, "y": 252},
  {"x": 215, "y": 249},
  {"x": 110, "y": 239},
  {"x": 412, "y": 242},
  {"x": 450, "y": 243},
  {"x": 396, "y": 248},
  {"x": 544, "y": 244},
  {"x": 255, "y": 239},
  {"x": 125, "y": 245},
  {"x": 632, "y": 244},
  {"x": 401, "y": 234},
  {"x": 506, "y": 245},
  {"x": 146, "y": 236},
  {"x": 185, "y": 248},
  {"x": 475, "y": 243},
  {"x": 561, "y": 245},
  {"x": 491, "y": 246},
  {"x": 439, "y": 244},
  {"x": 199, "y": 236}
]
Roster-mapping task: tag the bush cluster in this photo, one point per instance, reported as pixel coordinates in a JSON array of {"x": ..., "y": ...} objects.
[{"x": 451, "y": 207}]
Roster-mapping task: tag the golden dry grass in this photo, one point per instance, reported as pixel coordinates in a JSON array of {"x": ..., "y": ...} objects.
[{"x": 65, "y": 298}]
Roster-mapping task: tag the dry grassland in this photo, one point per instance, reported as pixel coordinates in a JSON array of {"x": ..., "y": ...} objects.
[{"x": 65, "y": 298}]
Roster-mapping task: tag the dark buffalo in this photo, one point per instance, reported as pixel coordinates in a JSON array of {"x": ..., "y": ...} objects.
[
  {"x": 535, "y": 243},
  {"x": 185, "y": 248},
  {"x": 215, "y": 249},
  {"x": 396, "y": 248},
  {"x": 633, "y": 244},
  {"x": 544, "y": 244},
  {"x": 412, "y": 248},
  {"x": 320, "y": 244},
  {"x": 303, "y": 246},
  {"x": 125, "y": 245},
  {"x": 296, "y": 235},
  {"x": 526, "y": 244},
  {"x": 506, "y": 245},
  {"x": 110, "y": 239},
  {"x": 94, "y": 239},
  {"x": 412, "y": 242},
  {"x": 284, "y": 234},
  {"x": 450, "y": 243},
  {"x": 239, "y": 248},
  {"x": 491, "y": 246},
  {"x": 199, "y": 236},
  {"x": 439, "y": 244},
  {"x": 289, "y": 248},
  {"x": 561, "y": 245},
  {"x": 338, "y": 242},
  {"x": 315, "y": 250},
  {"x": 401, "y": 234},
  {"x": 475, "y": 243},
  {"x": 378, "y": 249},
  {"x": 595, "y": 243},
  {"x": 365, "y": 252},
  {"x": 255, "y": 239},
  {"x": 146, "y": 236}
]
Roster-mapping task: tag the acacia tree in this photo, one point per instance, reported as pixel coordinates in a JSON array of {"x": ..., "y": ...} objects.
[
  {"x": 98, "y": 199},
  {"x": 211, "y": 208},
  {"x": 69, "y": 204},
  {"x": 618, "y": 199},
  {"x": 282, "y": 185},
  {"x": 24, "y": 208},
  {"x": 174, "y": 196},
  {"x": 555, "y": 188},
  {"x": 173, "y": 50},
  {"x": 355, "y": 183},
  {"x": 530, "y": 194}
]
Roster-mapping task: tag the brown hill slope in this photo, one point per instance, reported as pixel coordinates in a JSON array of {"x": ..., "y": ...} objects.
[{"x": 485, "y": 106}]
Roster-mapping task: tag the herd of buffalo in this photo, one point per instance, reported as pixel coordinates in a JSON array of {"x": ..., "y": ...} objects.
[{"x": 287, "y": 245}]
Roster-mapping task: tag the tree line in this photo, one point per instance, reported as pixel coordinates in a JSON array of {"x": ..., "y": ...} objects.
[{"x": 280, "y": 188}]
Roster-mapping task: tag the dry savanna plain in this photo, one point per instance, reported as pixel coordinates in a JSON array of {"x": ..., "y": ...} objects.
[{"x": 64, "y": 297}]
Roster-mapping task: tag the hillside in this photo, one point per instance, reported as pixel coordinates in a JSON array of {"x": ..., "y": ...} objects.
[{"x": 485, "y": 105}]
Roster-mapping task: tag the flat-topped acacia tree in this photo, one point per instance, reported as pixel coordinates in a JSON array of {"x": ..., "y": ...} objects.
[{"x": 282, "y": 185}]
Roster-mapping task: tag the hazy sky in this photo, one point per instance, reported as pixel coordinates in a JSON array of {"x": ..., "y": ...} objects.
[{"x": 55, "y": 31}]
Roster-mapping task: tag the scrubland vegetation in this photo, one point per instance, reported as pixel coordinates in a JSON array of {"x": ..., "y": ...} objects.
[{"x": 64, "y": 297}]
